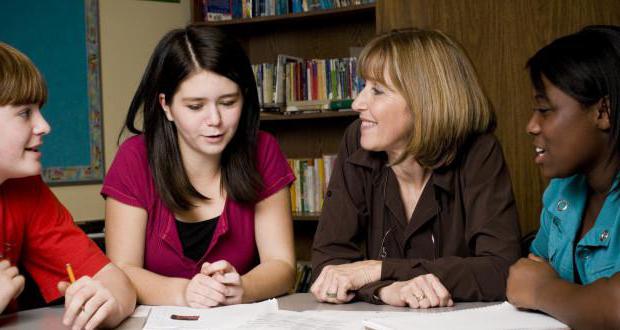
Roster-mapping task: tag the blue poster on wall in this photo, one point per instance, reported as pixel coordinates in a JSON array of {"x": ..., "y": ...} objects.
[{"x": 61, "y": 38}]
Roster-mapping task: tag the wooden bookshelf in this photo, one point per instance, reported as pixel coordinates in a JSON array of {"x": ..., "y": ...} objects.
[
  {"x": 331, "y": 14},
  {"x": 333, "y": 33},
  {"x": 306, "y": 216},
  {"x": 268, "y": 116},
  {"x": 308, "y": 137},
  {"x": 318, "y": 34}
]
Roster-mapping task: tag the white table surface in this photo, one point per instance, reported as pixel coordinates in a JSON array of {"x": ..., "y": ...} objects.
[{"x": 49, "y": 318}]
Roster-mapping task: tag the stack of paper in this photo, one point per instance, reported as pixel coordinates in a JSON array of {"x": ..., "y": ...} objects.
[
  {"x": 266, "y": 316},
  {"x": 502, "y": 316},
  {"x": 227, "y": 317}
]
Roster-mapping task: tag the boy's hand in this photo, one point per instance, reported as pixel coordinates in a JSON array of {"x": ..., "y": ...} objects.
[
  {"x": 87, "y": 303},
  {"x": 11, "y": 283}
]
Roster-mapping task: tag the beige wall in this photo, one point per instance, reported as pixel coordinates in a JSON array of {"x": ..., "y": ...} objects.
[{"x": 129, "y": 30}]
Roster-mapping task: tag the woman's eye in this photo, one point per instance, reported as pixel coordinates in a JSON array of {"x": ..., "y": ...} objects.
[
  {"x": 376, "y": 91},
  {"x": 195, "y": 106},
  {"x": 542, "y": 111}
]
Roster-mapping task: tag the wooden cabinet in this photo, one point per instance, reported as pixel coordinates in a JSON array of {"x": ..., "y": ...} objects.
[{"x": 332, "y": 33}]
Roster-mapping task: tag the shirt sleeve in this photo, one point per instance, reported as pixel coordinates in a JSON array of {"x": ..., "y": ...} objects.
[
  {"x": 492, "y": 231},
  {"x": 540, "y": 244},
  {"x": 53, "y": 240},
  {"x": 272, "y": 166},
  {"x": 129, "y": 179},
  {"x": 338, "y": 235}
]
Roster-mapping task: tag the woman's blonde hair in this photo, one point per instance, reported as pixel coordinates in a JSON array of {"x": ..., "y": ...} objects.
[
  {"x": 20, "y": 81},
  {"x": 438, "y": 82}
]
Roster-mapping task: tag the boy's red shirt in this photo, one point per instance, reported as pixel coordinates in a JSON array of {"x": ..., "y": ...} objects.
[{"x": 38, "y": 232}]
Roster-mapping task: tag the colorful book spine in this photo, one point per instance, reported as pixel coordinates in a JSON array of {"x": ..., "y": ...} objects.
[
  {"x": 237, "y": 9},
  {"x": 214, "y": 10},
  {"x": 310, "y": 186},
  {"x": 217, "y": 10},
  {"x": 294, "y": 84},
  {"x": 292, "y": 189},
  {"x": 247, "y": 8},
  {"x": 296, "y": 6}
]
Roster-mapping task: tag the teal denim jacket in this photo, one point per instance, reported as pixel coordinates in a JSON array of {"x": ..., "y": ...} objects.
[{"x": 597, "y": 254}]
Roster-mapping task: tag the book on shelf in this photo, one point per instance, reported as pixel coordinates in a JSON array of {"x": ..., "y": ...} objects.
[
  {"x": 303, "y": 277},
  {"x": 264, "y": 74},
  {"x": 294, "y": 84},
  {"x": 345, "y": 104},
  {"x": 312, "y": 178},
  {"x": 322, "y": 81},
  {"x": 246, "y": 9},
  {"x": 280, "y": 78},
  {"x": 309, "y": 105},
  {"x": 305, "y": 283},
  {"x": 218, "y": 10}
]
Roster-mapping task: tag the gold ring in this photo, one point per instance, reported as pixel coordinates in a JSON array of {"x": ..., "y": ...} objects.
[{"x": 331, "y": 294}]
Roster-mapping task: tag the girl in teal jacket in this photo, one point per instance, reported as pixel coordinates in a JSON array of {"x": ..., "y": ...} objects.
[{"x": 571, "y": 272}]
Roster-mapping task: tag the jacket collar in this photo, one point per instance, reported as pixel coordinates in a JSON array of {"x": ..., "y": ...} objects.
[
  {"x": 368, "y": 159},
  {"x": 442, "y": 177},
  {"x": 567, "y": 210}
]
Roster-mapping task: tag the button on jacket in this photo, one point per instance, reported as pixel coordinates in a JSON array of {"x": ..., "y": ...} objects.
[
  {"x": 596, "y": 254},
  {"x": 464, "y": 229}
]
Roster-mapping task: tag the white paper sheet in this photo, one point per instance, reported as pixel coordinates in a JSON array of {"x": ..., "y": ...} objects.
[
  {"x": 502, "y": 316},
  {"x": 287, "y": 320},
  {"x": 141, "y": 311},
  {"x": 311, "y": 320},
  {"x": 226, "y": 317}
]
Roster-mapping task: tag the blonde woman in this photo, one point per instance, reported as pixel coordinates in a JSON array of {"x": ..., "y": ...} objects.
[{"x": 419, "y": 211}]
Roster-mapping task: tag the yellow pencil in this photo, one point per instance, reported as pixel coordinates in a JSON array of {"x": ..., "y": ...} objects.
[{"x": 70, "y": 273}]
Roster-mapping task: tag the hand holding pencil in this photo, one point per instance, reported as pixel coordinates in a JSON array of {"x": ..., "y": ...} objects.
[
  {"x": 70, "y": 273},
  {"x": 87, "y": 301}
]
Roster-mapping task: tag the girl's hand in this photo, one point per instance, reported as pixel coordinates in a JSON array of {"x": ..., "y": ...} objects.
[
  {"x": 525, "y": 280},
  {"x": 203, "y": 291},
  {"x": 224, "y": 273}
]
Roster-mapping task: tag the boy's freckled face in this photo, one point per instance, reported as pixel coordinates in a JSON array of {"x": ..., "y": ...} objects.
[{"x": 21, "y": 135}]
